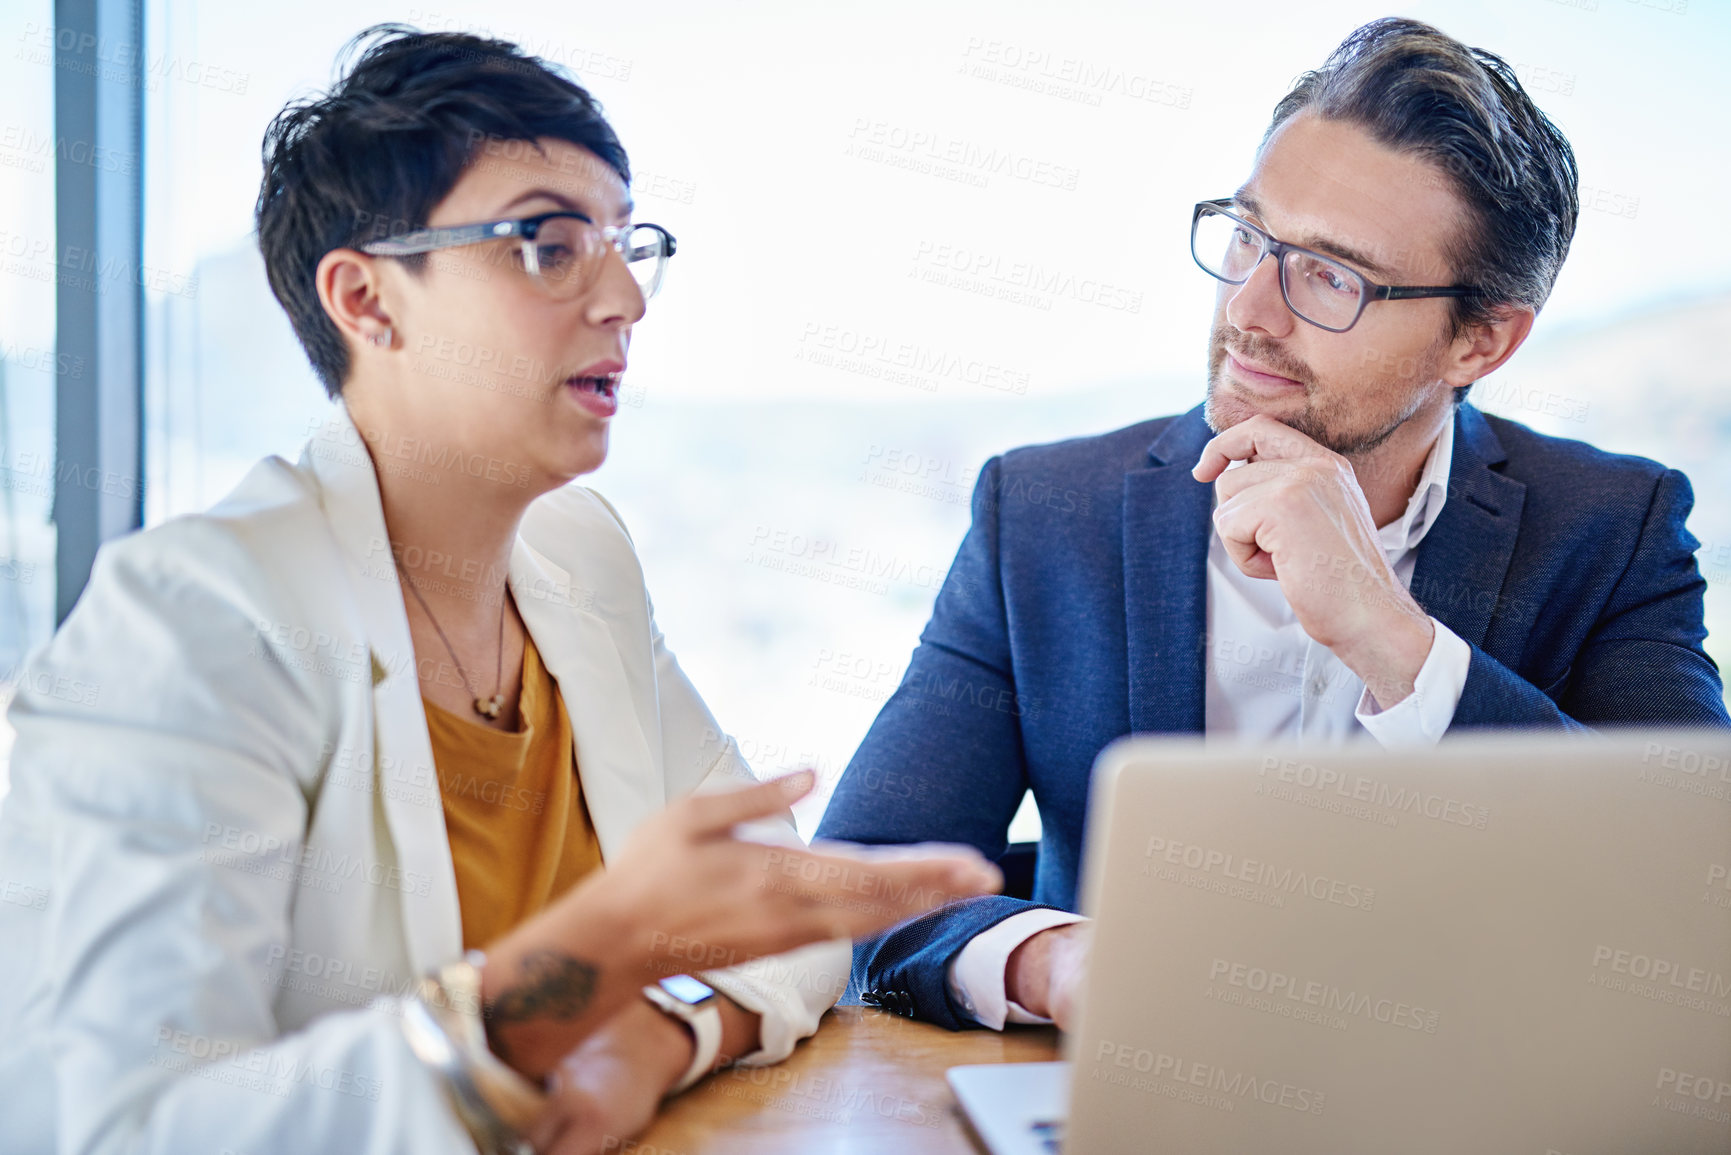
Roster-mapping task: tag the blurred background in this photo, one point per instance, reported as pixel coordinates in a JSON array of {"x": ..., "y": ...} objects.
[{"x": 911, "y": 236}]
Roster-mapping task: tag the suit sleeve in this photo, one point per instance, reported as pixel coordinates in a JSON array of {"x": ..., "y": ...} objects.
[
  {"x": 1642, "y": 663},
  {"x": 943, "y": 762}
]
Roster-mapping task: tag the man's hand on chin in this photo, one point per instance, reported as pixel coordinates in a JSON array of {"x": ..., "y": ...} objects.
[{"x": 1295, "y": 513}]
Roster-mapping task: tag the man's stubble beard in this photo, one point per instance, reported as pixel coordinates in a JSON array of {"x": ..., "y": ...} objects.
[{"x": 1324, "y": 423}]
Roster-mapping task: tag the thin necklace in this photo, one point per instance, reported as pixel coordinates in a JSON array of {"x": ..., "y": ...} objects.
[{"x": 486, "y": 707}]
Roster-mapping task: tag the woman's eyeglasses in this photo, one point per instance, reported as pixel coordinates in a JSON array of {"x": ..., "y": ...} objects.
[{"x": 562, "y": 251}]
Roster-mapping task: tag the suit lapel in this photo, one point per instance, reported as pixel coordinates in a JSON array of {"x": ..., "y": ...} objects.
[
  {"x": 1166, "y": 531},
  {"x": 406, "y": 786},
  {"x": 614, "y": 761},
  {"x": 613, "y": 754},
  {"x": 1464, "y": 559}
]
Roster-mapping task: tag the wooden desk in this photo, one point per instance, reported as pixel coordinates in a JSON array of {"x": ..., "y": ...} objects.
[{"x": 867, "y": 1082}]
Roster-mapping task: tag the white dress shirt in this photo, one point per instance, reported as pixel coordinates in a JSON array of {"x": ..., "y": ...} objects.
[{"x": 1265, "y": 679}]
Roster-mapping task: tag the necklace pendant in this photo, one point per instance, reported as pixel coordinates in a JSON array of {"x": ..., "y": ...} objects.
[{"x": 489, "y": 707}]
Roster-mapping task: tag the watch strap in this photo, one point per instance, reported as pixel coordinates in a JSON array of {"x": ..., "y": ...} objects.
[{"x": 705, "y": 1023}]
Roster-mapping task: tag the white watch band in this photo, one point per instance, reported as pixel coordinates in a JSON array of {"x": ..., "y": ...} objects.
[{"x": 705, "y": 1024}]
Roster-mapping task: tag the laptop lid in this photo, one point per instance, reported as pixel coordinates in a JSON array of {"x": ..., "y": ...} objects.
[{"x": 1508, "y": 943}]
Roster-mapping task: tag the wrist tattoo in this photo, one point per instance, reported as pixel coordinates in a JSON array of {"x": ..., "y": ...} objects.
[{"x": 552, "y": 986}]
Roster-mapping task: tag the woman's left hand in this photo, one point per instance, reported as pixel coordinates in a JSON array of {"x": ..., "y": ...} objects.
[{"x": 604, "y": 1093}]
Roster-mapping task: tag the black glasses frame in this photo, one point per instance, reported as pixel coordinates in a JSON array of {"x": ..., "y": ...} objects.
[{"x": 1369, "y": 289}]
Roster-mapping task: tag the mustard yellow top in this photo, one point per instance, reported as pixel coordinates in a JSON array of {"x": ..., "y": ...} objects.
[{"x": 520, "y": 832}]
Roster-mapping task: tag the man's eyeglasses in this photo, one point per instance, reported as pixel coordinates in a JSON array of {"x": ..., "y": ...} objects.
[
  {"x": 563, "y": 251},
  {"x": 1317, "y": 288}
]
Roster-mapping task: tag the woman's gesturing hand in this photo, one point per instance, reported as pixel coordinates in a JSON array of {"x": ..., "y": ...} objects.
[
  {"x": 685, "y": 877},
  {"x": 693, "y": 878}
]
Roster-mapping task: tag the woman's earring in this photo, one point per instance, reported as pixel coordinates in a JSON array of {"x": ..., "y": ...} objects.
[{"x": 383, "y": 339}]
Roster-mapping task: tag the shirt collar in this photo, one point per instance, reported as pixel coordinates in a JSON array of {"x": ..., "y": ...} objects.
[
  {"x": 1427, "y": 500},
  {"x": 1426, "y": 503}
]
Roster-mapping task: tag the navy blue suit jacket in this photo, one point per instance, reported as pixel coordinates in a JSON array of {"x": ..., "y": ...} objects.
[{"x": 1075, "y": 613}]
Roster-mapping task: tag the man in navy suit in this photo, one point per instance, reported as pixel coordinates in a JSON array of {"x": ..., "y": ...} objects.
[{"x": 1335, "y": 546}]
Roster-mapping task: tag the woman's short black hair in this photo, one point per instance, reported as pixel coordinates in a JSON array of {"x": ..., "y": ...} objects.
[
  {"x": 1419, "y": 91},
  {"x": 373, "y": 156}
]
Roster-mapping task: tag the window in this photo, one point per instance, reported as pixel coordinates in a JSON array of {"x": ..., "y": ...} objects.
[
  {"x": 800, "y": 439},
  {"x": 29, "y": 365}
]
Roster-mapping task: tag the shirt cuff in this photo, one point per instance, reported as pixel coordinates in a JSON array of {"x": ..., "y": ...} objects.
[
  {"x": 1423, "y": 716},
  {"x": 976, "y": 976}
]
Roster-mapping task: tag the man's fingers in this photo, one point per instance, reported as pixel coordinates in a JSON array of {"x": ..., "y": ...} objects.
[
  {"x": 1238, "y": 528},
  {"x": 1259, "y": 438},
  {"x": 716, "y": 813},
  {"x": 1233, "y": 482}
]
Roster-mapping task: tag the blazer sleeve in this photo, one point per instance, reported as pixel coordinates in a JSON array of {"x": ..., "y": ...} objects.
[
  {"x": 941, "y": 763},
  {"x": 1643, "y": 661},
  {"x": 790, "y": 991},
  {"x": 155, "y": 723}
]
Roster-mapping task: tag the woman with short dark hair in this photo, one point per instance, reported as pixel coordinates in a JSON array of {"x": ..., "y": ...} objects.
[{"x": 396, "y": 705}]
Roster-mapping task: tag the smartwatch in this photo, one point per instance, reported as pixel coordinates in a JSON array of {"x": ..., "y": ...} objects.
[{"x": 694, "y": 1004}]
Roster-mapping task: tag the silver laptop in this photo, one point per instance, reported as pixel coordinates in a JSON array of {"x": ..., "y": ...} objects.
[{"x": 1510, "y": 943}]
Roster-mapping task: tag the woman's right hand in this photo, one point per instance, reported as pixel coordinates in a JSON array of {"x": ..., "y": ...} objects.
[
  {"x": 685, "y": 878},
  {"x": 692, "y": 878}
]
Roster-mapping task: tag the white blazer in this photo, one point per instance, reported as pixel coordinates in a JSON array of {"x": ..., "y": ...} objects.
[{"x": 223, "y": 857}]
